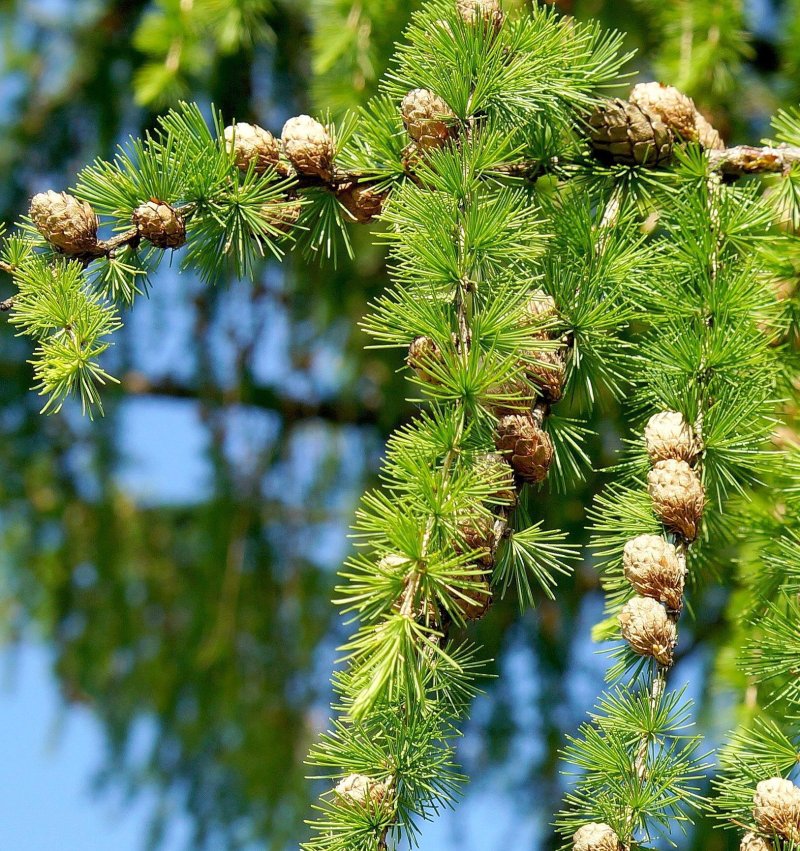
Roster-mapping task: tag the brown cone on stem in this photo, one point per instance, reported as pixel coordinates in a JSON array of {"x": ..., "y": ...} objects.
[
  {"x": 475, "y": 602},
  {"x": 309, "y": 146},
  {"x": 525, "y": 444},
  {"x": 668, "y": 435},
  {"x": 548, "y": 374},
  {"x": 621, "y": 132},
  {"x": 282, "y": 215},
  {"x": 776, "y": 808},
  {"x": 678, "y": 496},
  {"x": 653, "y": 568},
  {"x": 427, "y": 118},
  {"x": 677, "y": 111},
  {"x": 647, "y": 628},
  {"x": 362, "y": 201},
  {"x": 362, "y": 791},
  {"x": 494, "y": 467},
  {"x": 754, "y": 842},
  {"x": 161, "y": 224},
  {"x": 477, "y": 533},
  {"x": 251, "y": 144},
  {"x": 65, "y": 222},
  {"x": 423, "y": 356},
  {"x": 595, "y": 836},
  {"x": 486, "y": 11},
  {"x": 540, "y": 308}
]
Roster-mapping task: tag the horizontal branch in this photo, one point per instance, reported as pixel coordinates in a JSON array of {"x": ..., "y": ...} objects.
[{"x": 746, "y": 159}]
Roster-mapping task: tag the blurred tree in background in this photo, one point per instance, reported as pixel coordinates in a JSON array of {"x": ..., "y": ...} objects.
[{"x": 179, "y": 554}]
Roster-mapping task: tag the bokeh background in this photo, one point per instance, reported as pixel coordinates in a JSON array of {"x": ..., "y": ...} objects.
[{"x": 165, "y": 573}]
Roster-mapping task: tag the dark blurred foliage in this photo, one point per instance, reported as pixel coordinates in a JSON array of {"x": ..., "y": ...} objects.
[{"x": 199, "y": 603}]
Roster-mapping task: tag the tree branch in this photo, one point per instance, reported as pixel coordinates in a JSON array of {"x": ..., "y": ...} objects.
[{"x": 746, "y": 159}]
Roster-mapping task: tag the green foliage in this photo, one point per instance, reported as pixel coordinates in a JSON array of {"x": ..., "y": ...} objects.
[
  {"x": 663, "y": 289},
  {"x": 641, "y": 769},
  {"x": 177, "y": 38}
]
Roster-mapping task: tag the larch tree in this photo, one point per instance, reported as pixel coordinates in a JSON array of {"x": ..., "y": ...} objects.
[{"x": 550, "y": 247}]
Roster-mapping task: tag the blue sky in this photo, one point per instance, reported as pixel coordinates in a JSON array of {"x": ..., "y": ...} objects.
[{"x": 47, "y": 760}]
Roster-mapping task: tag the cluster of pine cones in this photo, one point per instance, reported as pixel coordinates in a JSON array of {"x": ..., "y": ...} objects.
[
  {"x": 524, "y": 450},
  {"x": 653, "y": 566},
  {"x": 70, "y": 224}
]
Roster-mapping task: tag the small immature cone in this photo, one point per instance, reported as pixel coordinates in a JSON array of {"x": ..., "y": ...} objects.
[
  {"x": 65, "y": 221},
  {"x": 250, "y": 143},
  {"x": 514, "y": 396},
  {"x": 595, "y": 836},
  {"x": 478, "y": 534},
  {"x": 309, "y": 146},
  {"x": 540, "y": 308},
  {"x": 423, "y": 353},
  {"x": 776, "y": 808},
  {"x": 527, "y": 447},
  {"x": 621, "y": 132},
  {"x": 363, "y": 202},
  {"x": 493, "y": 467},
  {"x": 477, "y": 603},
  {"x": 487, "y": 11},
  {"x": 548, "y": 374},
  {"x": 282, "y": 215},
  {"x": 668, "y": 435},
  {"x": 647, "y": 628},
  {"x": 427, "y": 118},
  {"x": 653, "y": 568},
  {"x": 754, "y": 842},
  {"x": 161, "y": 224},
  {"x": 362, "y": 790},
  {"x": 678, "y": 496}
]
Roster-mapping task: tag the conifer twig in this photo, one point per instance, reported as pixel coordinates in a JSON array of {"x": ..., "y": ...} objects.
[{"x": 747, "y": 159}]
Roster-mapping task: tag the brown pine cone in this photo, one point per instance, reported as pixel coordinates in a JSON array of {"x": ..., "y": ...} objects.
[
  {"x": 362, "y": 791},
  {"x": 65, "y": 222},
  {"x": 161, "y": 224},
  {"x": 514, "y": 396},
  {"x": 427, "y": 118},
  {"x": 653, "y": 568},
  {"x": 776, "y": 808},
  {"x": 540, "y": 309},
  {"x": 493, "y": 467},
  {"x": 477, "y": 603},
  {"x": 478, "y": 533},
  {"x": 363, "y": 202},
  {"x": 548, "y": 374},
  {"x": 677, "y": 111},
  {"x": 282, "y": 215},
  {"x": 647, "y": 628},
  {"x": 527, "y": 447},
  {"x": 309, "y": 146},
  {"x": 668, "y": 435},
  {"x": 595, "y": 836},
  {"x": 754, "y": 842},
  {"x": 674, "y": 108},
  {"x": 250, "y": 143},
  {"x": 487, "y": 11},
  {"x": 707, "y": 135},
  {"x": 621, "y": 132},
  {"x": 423, "y": 354},
  {"x": 678, "y": 496}
]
